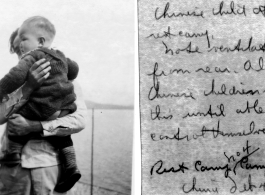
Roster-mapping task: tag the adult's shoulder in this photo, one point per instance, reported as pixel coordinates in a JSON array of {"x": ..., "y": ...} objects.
[{"x": 77, "y": 87}]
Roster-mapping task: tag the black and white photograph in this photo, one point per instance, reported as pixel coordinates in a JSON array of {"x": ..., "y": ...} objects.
[{"x": 67, "y": 93}]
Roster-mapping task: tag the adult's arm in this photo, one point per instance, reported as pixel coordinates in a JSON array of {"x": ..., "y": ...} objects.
[
  {"x": 16, "y": 76},
  {"x": 7, "y": 105},
  {"x": 69, "y": 124},
  {"x": 37, "y": 74}
]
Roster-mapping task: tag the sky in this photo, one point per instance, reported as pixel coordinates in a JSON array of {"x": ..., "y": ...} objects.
[{"x": 98, "y": 35}]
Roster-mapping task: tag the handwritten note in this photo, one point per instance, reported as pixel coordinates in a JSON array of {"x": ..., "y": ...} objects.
[{"x": 202, "y": 96}]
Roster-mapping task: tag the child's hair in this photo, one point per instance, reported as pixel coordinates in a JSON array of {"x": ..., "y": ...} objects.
[
  {"x": 12, "y": 38},
  {"x": 42, "y": 24}
]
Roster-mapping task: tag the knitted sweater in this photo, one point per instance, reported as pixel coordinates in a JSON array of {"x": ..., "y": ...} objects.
[{"x": 56, "y": 92}]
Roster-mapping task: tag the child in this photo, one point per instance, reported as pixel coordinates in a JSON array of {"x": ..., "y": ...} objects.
[{"x": 55, "y": 98}]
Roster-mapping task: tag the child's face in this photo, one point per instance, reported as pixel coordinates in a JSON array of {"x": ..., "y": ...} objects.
[
  {"x": 16, "y": 45},
  {"x": 29, "y": 39}
]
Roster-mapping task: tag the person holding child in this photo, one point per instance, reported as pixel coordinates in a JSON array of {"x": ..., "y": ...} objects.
[{"x": 39, "y": 156}]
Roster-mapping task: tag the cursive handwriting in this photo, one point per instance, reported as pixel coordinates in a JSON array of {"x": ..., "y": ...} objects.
[
  {"x": 232, "y": 10},
  {"x": 168, "y": 34},
  {"x": 209, "y": 112},
  {"x": 207, "y": 69},
  {"x": 157, "y": 167},
  {"x": 204, "y": 131},
  {"x": 198, "y": 66},
  {"x": 154, "y": 93},
  {"x": 216, "y": 132},
  {"x": 154, "y": 90},
  {"x": 248, "y": 66},
  {"x": 248, "y": 186},
  {"x": 176, "y": 136},
  {"x": 238, "y": 47},
  {"x": 164, "y": 35},
  {"x": 194, "y": 188},
  {"x": 201, "y": 168},
  {"x": 157, "y": 114},
  {"x": 155, "y": 74},
  {"x": 190, "y": 49},
  {"x": 233, "y": 162},
  {"x": 258, "y": 110},
  {"x": 259, "y": 10},
  {"x": 232, "y": 91},
  {"x": 165, "y": 13}
]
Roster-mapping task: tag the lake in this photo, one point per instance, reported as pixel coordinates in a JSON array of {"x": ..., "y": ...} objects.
[{"x": 112, "y": 149}]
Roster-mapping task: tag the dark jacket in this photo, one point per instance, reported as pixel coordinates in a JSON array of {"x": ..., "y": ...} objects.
[{"x": 56, "y": 93}]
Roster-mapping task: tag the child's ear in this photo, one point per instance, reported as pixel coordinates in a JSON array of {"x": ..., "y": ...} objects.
[{"x": 41, "y": 41}]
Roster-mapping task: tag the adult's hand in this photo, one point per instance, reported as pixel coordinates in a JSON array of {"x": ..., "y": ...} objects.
[
  {"x": 38, "y": 73},
  {"x": 18, "y": 126}
]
